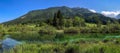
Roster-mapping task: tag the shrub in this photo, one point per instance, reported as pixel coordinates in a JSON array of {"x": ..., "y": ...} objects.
[
  {"x": 59, "y": 36},
  {"x": 72, "y": 30},
  {"x": 47, "y": 30},
  {"x": 85, "y": 30}
]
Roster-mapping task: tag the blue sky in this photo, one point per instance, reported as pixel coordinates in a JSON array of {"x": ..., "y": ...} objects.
[{"x": 11, "y": 9}]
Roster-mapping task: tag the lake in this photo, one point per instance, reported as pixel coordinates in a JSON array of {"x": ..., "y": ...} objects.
[{"x": 33, "y": 42}]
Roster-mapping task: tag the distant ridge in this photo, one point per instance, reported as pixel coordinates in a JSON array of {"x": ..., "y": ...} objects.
[{"x": 43, "y": 14}]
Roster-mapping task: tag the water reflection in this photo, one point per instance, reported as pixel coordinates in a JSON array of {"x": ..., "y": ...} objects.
[{"x": 9, "y": 43}]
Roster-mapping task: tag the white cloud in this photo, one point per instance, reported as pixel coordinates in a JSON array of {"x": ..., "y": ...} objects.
[
  {"x": 112, "y": 14},
  {"x": 94, "y": 11}
]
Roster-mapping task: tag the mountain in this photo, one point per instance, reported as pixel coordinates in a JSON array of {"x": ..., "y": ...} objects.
[
  {"x": 118, "y": 16},
  {"x": 43, "y": 14}
]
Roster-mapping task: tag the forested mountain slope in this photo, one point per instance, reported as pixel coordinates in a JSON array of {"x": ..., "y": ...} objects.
[{"x": 36, "y": 16}]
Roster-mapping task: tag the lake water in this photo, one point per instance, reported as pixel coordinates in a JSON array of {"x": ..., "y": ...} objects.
[{"x": 8, "y": 43}]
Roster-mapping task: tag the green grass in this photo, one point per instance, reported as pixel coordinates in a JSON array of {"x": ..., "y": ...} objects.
[{"x": 99, "y": 47}]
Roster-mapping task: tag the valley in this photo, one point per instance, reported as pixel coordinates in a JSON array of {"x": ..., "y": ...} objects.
[{"x": 62, "y": 30}]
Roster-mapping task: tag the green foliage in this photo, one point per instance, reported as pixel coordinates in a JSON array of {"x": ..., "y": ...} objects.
[
  {"x": 69, "y": 48},
  {"x": 42, "y": 30},
  {"x": 69, "y": 23},
  {"x": 58, "y": 20},
  {"x": 38, "y": 16},
  {"x": 47, "y": 30},
  {"x": 29, "y": 36},
  {"x": 78, "y": 21},
  {"x": 73, "y": 30}
]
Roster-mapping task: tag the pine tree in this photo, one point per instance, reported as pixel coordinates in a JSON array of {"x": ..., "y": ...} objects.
[
  {"x": 55, "y": 20},
  {"x": 61, "y": 19},
  {"x": 58, "y": 20}
]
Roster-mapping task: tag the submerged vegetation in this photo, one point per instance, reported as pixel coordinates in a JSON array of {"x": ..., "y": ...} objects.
[
  {"x": 88, "y": 44},
  {"x": 49, "y": 39}
]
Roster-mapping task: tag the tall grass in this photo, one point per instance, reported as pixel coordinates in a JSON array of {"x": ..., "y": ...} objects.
[{"x": 68, "y": 48}]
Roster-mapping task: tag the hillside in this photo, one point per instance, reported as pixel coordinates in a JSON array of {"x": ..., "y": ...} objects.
[
  {"x": 67, "y": 12},
  {"x": 62, "y": 30},
  {"x": 118, "y": 16}
]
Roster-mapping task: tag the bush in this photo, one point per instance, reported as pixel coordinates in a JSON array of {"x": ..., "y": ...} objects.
[
  {"x": 47, "y": 30},
  {"x": 59, "y": 36},
  {"x": 85, "y": 30},
  {"x": 72, "y": 30}
]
